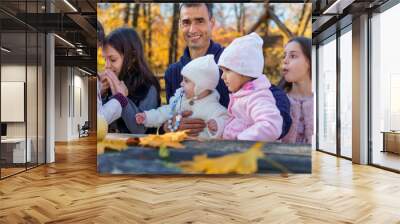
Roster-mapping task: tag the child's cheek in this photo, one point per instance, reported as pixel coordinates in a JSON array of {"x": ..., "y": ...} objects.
[
  {"x": 235, "y": 85},
  {"x": 188, "y": 91}
]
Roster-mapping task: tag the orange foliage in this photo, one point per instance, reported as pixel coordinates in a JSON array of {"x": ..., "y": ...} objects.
[{"x": 111, "y": 15}]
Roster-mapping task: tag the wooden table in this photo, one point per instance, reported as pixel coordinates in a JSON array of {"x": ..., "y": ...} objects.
[
  {"x": 139, "y": 160},
  {"x": 391, "y": 141}
]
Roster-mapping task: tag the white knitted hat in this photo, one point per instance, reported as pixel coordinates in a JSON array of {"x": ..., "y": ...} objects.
[
  {"x": 204, "y": 72},
  {"x": 244, "y": 56}
]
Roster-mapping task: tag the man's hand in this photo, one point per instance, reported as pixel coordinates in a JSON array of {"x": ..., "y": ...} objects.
[
  {"x": 195, "y": 126},
  {"x": 105, "y": 85}
]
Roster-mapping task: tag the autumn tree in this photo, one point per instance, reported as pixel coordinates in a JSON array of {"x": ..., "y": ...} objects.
[{"x": 158, "y": 26}]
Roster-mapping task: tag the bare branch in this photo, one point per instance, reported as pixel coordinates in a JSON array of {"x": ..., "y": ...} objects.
[
  {"x": 280, "y": 24},
  {"x": 306, "y": 23},
  {"x": 303, "y": 11},
  {"x": 261, "y": 20}
]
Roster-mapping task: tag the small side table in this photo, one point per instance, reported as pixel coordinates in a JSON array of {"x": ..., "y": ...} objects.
[{"x": 391, "y": 141}]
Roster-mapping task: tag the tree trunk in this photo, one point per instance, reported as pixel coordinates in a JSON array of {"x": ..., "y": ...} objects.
[
  {"x": 243, "y": 28},
  {"x": 264, "y": 45},
  {"x": 149, "y": 22},
  {"x": 238, "y": 17},
  {"x": 173, "y": 41},
  {"x": 144, "y": 31},
  {"x": 127, "y": 13},
  {"x": 135, "y": 15},
  {"x": 219, "y": 11}
]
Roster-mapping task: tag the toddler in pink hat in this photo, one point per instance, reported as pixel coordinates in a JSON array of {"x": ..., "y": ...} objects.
[{"x": 252, "y": 111}]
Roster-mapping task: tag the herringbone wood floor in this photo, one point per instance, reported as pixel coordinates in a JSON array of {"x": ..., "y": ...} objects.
[{"x": 70, "y": 191}]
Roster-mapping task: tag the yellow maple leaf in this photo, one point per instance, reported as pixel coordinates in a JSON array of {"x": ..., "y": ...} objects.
[
  {"x": 118, "y": 144},
  {"x": 171, "y": 139},
  {"x": 239, "y": 163},
  {"x": 103, "y": 142}
]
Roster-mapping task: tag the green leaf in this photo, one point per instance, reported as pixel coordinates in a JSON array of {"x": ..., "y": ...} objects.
[{"x": 163, "y": 152}]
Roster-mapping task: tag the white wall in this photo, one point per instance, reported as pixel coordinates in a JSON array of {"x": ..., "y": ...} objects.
[
  {"x": 61, "y": 103},
  {"x": 70, "y": 84},
  {"x": 80, "y": 101}
]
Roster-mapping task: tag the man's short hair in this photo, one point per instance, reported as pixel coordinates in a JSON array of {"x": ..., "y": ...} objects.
[{"x": 208, "y": 5}]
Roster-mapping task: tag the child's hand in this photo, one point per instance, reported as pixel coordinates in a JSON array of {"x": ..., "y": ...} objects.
[
  {"x": 212, "y": 126},
  {"x": 140, "y": 118},
  {"x": 116, "y": 85},
  {"x": 105, "y": 85}
]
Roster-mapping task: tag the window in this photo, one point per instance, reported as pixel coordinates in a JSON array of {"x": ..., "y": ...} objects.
[
  {"x": 385, "y": 84},
  {"x": 23, "y": 76},
  {"x": 346, "y": 93},
  {"x": 327, "y": 96}
]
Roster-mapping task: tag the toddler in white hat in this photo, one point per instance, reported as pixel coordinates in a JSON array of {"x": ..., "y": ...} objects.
[
  {"x": 197, "y": 94},
  {"x": 253, "y": 114}
]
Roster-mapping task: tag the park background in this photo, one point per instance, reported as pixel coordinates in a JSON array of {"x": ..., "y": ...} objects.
[{"x": 158, "y": 26}]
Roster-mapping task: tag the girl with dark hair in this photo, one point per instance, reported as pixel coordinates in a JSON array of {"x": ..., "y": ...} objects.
[
  {"x": 296, "y": 81},
  {"x": 125, "y": 64},
  {"x": 111, "y": 110}
]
